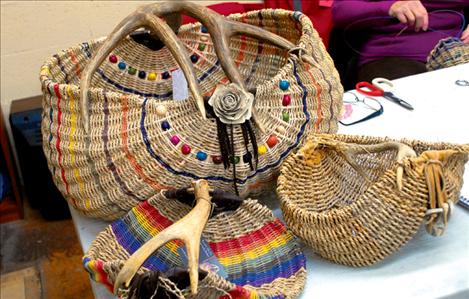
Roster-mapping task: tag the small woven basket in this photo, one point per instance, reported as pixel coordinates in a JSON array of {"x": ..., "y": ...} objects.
[
  {"x": 141, "y": 140},
  {"x": 356, "y": 200},
  {"x": 448, "y": 52},
  {"x": 256, "y": 252}
]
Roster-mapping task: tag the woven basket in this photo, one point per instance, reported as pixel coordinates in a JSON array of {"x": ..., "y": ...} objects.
[
  {"x": 448, "y": 52},
  {"x": 352, "y": 209},
  {"x": 141, "y": 140},
  {"x": 257, "y": 253}
]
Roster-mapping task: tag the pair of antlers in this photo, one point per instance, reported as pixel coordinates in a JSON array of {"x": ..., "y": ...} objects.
[{"x": 220, "y": 28}]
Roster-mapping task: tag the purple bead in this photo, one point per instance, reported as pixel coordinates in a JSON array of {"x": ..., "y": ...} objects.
[
  {"x": 175, "y": 139},
  {"x": 166, "y": 75}
]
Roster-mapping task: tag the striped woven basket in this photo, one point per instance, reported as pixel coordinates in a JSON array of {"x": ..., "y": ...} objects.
[
  {"x": 448, "y": 52},
  {"x": 141, "y": 140},
  {"x": 355, "y": 200},
  {"x": 252, "y": 253}
]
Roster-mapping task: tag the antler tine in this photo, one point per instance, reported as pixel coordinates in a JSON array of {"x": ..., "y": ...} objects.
[
  {"x": 141, "y": 18},
  {"x": 128, "y": 25},
  {"x": 188, "y": 229},
  {"x": 169, "y": 38},
  {"x": 403, "y": 151}
]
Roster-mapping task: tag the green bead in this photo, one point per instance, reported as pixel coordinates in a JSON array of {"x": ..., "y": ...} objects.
[
  {"x": 285, "y": 116},
  {"x": 202, "y": 47},
  {"x": 235, "y": 160},
  {"x": 132, "y": 71}
]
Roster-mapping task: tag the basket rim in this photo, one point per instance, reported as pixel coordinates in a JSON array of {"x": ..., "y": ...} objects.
[
  {"x": 48, "y": 82},
  {"x": 291, "y": 205}
]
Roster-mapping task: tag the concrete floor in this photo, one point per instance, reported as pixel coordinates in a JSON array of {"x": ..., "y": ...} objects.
[{"x": 48, "y": 248}]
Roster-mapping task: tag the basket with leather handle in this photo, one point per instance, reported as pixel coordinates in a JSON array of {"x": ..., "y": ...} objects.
[
  {"x": 244, "y": 251},
  {"x": 356, "y": 200},
  {"x": 448, "y": 52},
  {"x": 117, "y": 127}
]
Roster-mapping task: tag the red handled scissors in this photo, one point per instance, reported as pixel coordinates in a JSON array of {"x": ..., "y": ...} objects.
[{"x": 381, "y": 87}]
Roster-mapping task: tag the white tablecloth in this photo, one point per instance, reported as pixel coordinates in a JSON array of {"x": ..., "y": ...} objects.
[{"x": 427, "y": 267}]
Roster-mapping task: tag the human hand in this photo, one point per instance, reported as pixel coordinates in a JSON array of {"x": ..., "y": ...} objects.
[
  {"x": 410, "y": 12},
  {"x": 465, "y": 36}
]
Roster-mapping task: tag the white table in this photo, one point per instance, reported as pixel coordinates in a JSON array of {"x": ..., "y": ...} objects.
[{"x": 427, "y": 267}]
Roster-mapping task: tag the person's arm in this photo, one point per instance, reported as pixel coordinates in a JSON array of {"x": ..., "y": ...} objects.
[{"x": 345, "y": 12}]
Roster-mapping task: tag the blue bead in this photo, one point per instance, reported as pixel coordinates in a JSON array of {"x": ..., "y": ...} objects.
[
  {"x": 142, "y": 74},
  {"x": 194, "y": 58},
  {"x": 165, "y": 125},
  {"x": 121, "y": 65},
  {"x": 284, "y": 84},
  {"x": 165, "y": 75},
  {"x": 201, "y": 156},
  {"x": 204, "y": 29}
]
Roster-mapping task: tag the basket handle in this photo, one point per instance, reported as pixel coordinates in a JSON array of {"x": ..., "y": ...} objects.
[
  {"x": 348, "y": 150},
  {"x": 188, "y": 229},
  {"x": 219, "y": 27}
]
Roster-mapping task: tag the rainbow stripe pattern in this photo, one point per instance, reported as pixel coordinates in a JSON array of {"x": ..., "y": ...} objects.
[{"x": 253, "y": 259}]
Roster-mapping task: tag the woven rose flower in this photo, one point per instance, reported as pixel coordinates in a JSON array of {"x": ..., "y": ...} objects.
[{"x": 231, "y": 104}]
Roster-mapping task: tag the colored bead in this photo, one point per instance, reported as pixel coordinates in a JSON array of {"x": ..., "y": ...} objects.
[
  {"x": 175, "y": 139},
  {"x": 247, "y": 157},
  {"x": 281, "y": 130},
  {"x": 261, "y": 150},
  {"x": 286, "y": 100},
  {"x": 204, "y": 29},
  {"x": 217, "y": 159},
  {"x": 204, "y": 39},
  {"x": 272, "y": 141},
  {"x": 285, "y": 116},
  {"x": 201, "y": 156},
  {"x": 121, "y": 65},
  {"x": 161, "y": 110},
  {"x": 132, "y": 71},
  {"x": 284, "y": 84},
  {"x": 194, "y": 58},
  {"x": 142, "y": 74},
  {"x": 165, "y": 126},
  {"x": 151, "y": 76},
  {"x": 234, "y": 160},
  {"x": 202, "y": 47},
  {"x": 185, "y": 149},
  {"x": 166, "y": 75},
  {"x": 113, "y": 58}
]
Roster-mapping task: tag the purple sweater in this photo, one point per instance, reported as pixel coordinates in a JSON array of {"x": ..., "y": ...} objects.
[{"x": 382, "y": 40}]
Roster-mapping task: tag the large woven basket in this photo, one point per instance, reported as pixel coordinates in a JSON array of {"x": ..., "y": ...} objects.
[
  {"x": 448, "y": 52},
  {"x": 141, "y": 140},
  {"x": 356, "y": 200},
  {"x": 258, "y": 256}
]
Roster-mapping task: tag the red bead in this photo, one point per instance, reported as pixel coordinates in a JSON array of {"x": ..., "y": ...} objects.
[
  {"x": 272, "y": 141},
  {"x": 286, "y": 100},
  {"x": 217, "y": 159},
  {"x": 237, "y": 293},
  {"x": 186, "y": 149},
  {"x": 113, "y": 58}
]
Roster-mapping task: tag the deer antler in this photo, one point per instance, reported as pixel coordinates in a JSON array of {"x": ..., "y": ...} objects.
[
  {"x": 220, "y": 28},
  {"x": 188, "y": 229},
  {"x": 403, "y": 151}
]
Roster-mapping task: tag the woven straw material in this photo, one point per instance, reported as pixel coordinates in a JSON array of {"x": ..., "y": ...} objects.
[
  {"x": 448, "y": 52},
  {"x": 352, "y": 220},
  {"x": 254, "y": 248},
  {"x": 128, "y": 156}
]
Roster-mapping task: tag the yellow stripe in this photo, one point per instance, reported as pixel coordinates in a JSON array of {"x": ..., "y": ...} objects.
[
  {"x": 142, "y": 220},
  {"x": 73, "y": 128},
  {"x": 257, "y": 252}
]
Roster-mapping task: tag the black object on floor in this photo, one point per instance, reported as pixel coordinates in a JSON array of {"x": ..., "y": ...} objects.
[{"x": 25, "y": 120}]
